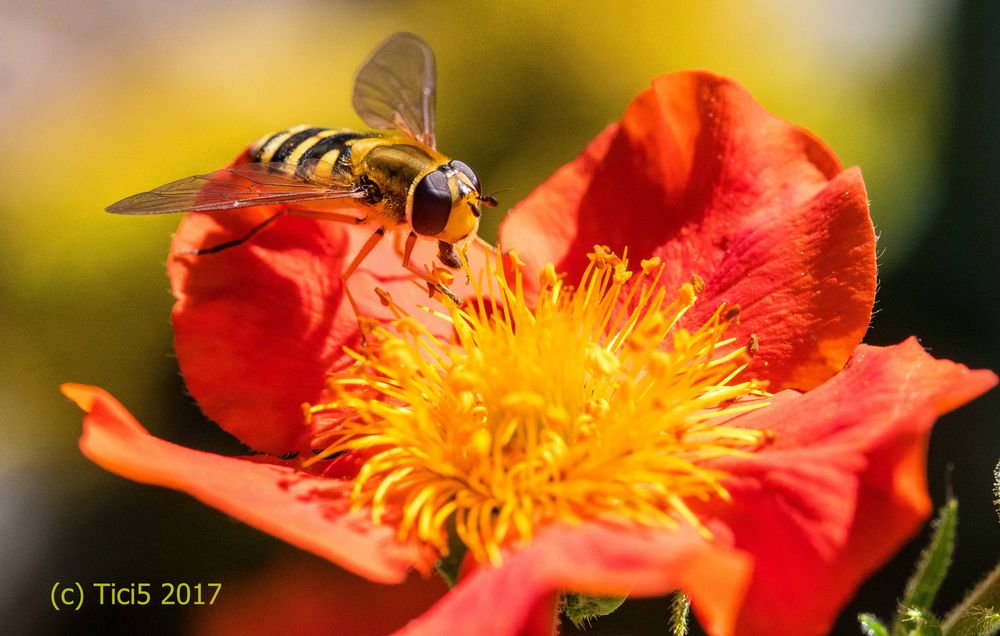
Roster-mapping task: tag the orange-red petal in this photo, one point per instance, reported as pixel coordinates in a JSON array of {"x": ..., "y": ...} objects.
[
  {"x": 306, "y": 511},
  {"x": 699, "y": 174},
  {"x": 310, "y": 598},
  {"x": 843, "y": 484},
  {"x": 596, "y": 559}
]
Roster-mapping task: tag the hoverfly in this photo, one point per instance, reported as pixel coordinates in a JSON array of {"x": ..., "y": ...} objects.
[{"x": 393, "y": 177}]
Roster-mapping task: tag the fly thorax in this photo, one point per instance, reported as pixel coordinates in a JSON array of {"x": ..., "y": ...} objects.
[{"x": 392, "y": 169}]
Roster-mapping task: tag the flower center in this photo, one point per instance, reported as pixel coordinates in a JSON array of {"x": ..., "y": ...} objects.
[{"x": 591, "y": 404}]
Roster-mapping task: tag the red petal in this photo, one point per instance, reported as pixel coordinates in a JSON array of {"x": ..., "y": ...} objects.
[
  {"x": 842, "y": 487},
  {"x": 594, "y": 559},
  {"x": 258, "y": 326},
  {"x": 306, "y": 511},
  {"x": 698, "y": 174},
  {"x": 307, "y": 597}
]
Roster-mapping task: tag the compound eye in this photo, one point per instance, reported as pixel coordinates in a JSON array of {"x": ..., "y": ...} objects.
[
  {"x": 431, "y": 204},
  {"x": 467, "y": 171}
]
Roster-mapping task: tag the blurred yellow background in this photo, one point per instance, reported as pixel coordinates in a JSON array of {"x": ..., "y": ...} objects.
[{"x": 100, "y": 100}]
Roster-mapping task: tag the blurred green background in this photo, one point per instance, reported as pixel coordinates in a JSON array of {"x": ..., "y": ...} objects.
[{"x": 100, "y": 100}]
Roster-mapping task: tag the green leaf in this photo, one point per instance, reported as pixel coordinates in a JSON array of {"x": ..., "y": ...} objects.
[
  {"x": 871, "y": 626},
  {"x": 978, "y": 621},
  {"x": 581, "y": 609},
  {"x": 921, "y": 622},
  {"x": 985, "y": 596},
  {"x": 932, "y": 567},
  {"x": 996, "y": 489},
  {"x": 680, "y": 607}
]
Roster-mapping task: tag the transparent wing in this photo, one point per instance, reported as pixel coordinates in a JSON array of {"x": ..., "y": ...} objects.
[
  {"x": 395, "y": 88},
  {"x": 243, "y": 186}
]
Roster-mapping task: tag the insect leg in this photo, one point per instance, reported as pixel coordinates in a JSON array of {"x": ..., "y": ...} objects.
[
  {"x": 397, "y": 240},
  {"x": 362, "y": 253},
  {"x": 411, "y": 240},
  {"x": 339, "y": 217},
  {"x": 233, "y": 243}
]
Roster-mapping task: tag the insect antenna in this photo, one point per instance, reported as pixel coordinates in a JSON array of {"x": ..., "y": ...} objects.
[{"x": 489, "y": 200}]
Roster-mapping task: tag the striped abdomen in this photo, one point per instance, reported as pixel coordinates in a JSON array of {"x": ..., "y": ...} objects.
[{"x": 304, "y": 143}]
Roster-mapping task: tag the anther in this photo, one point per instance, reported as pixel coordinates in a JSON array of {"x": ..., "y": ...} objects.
[
  {"x": 611, "y": 257},
  {"x": 637, "y": 341},
  {"x": 687, "y": 294},
  {"x": 731, "y": 313},
  {"x": 584, "y": 425},
  {"x": 621, "y": 273},
  {"x": 753, "y": 344},
  {"x": 384, "y": 297},
  {"x": 408, "y": 325},
  {"x": 601, "y": 361},
  {"x": 481, "y": 441},
  {"x": 515, "y": 259},
  {"x": 603, "y": 256},
  {"x": 460, "y": 379},
  {"x": 466, "y": 400},
  {"x": 398, "y": 354},
  {"x": 523, "y": 401},
  {"x": 556, "y": 413},
  {"x": 547, "y": 277},
  {"x": 652, "y": 324},
  {"x": 698, "y": 283},
  {"x": 649, "y": 265},
  {"x": 443, "y": 276},
  {"x": 597, "y": 408},
  {"x": 659, "y": 363}
]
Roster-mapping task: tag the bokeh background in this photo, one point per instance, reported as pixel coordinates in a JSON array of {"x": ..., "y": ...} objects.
[{"x": 101, "y": 99}]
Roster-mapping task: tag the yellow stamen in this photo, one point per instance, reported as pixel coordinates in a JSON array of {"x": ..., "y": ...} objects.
[{"x": 593, "y": 403}]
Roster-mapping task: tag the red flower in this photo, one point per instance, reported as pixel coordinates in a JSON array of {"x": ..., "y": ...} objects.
[{"x": 767, "y": 511}]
